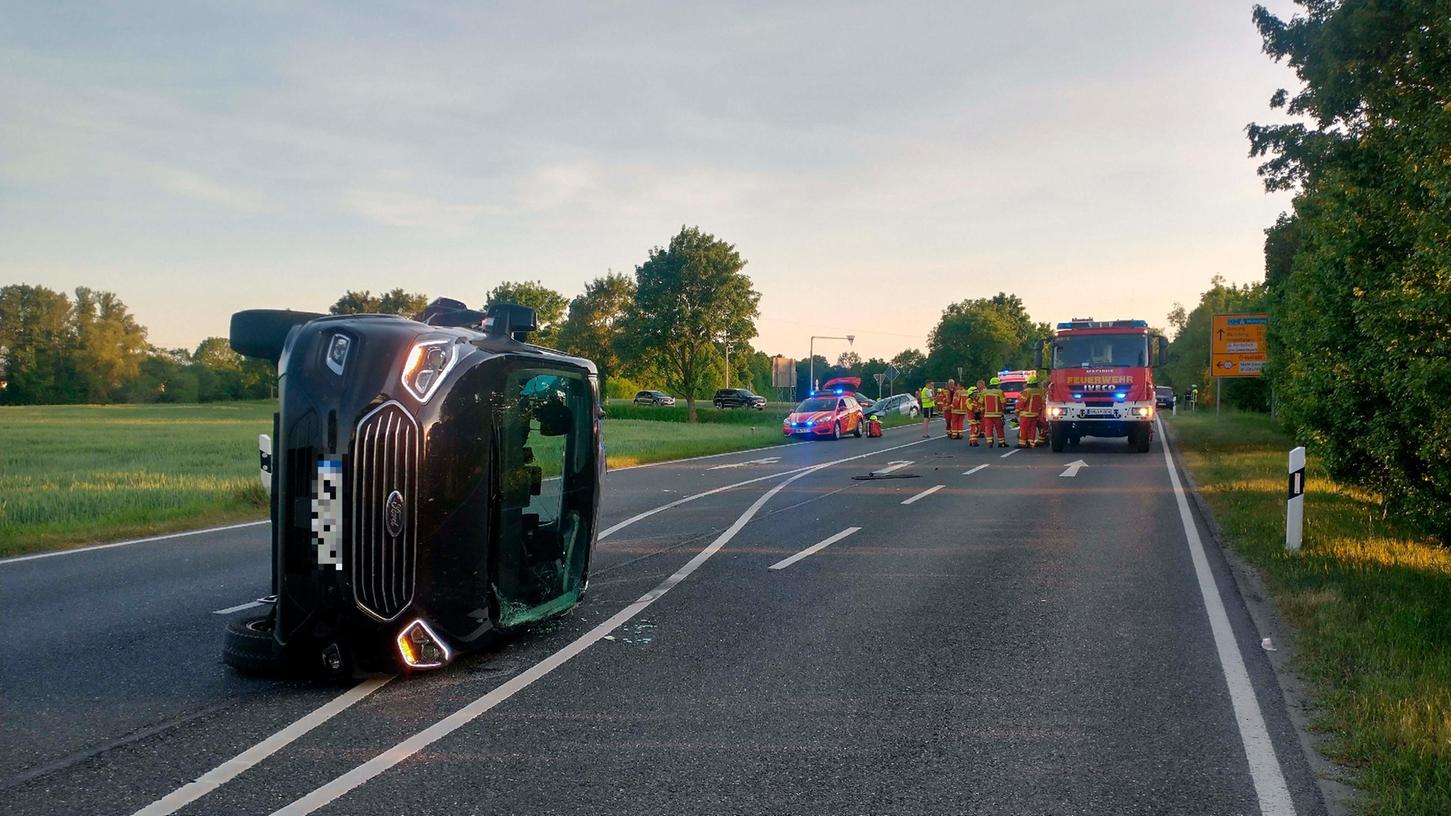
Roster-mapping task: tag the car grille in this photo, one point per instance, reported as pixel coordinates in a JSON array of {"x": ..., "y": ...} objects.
[{"x": 384, "y": 510}]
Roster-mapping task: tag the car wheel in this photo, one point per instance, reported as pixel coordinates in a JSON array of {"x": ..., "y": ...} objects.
[
  {"x": 914, "y": 412},
  {"x": 859, "y": 423},
  {"x": 249, "y": 647},
  {"x": 836, "y": 431}
]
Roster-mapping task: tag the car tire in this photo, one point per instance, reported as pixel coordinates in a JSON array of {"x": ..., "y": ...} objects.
[
  {"x": 249, "y": 647},
  {"x": 914, "y": 412},
  {"x": 261, "y": 333},
  {"x": 858, "y": 432},
  {"x": 836, "y": 430}
]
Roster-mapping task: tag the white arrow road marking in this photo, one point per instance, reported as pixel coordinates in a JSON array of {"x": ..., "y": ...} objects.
[
  {"x": 924, "y": 494},
  {"x": 768, "y": 460},
  {"x": 1264, "y": 766},
  {"x": 1010, "y": 453},
  {"x": 1072, "y": 469},
  {"x": 229, "y": 770},
  {"x": 814, "y": 548},
  {"x": 974, "y": 470},
  {"x": 892, "y": 466}
]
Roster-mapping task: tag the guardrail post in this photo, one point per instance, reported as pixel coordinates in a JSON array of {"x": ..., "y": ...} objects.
[{"x": 1295, "y": 501}]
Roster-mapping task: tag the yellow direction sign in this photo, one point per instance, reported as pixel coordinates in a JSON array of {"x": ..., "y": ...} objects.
[{"x": 1237, "y": 345}]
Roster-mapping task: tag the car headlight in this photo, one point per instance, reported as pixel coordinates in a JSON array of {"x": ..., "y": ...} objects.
[{"x": 428, "y": 362}]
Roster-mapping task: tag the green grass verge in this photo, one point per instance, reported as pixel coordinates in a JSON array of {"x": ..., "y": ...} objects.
[
  {"x": 78, "y": 474},
  {"x": 1370, "y": 598}
]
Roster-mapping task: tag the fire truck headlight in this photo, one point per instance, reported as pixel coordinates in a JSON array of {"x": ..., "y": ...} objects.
[
  {"x": 1144, "y": 411},
  {"x": 1056, "y": 411}
]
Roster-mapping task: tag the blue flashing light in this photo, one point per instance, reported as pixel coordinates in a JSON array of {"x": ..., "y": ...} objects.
[
  {"x": 838, "y": 392},
  {"x": 1120, "y": 396},
  {"x": 1078, "y": 396}
]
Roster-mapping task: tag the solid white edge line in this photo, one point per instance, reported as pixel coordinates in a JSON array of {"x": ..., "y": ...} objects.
[
  {"x": 17, "y": 559},
  {"x": 813, "y": 549},
  {"x": 924, "y": 494},
  {"x": 974, "y": 470},
  {"x": 1010, "y": 453},
  {"x": 238, "y": 608},
  {"x": 1259, "y": 750},
  {"x": 360, "y": 775},
  {"x": 229, "y": 770}
]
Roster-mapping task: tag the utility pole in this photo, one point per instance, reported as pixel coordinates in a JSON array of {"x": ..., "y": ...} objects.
[{"x": 811, "y": 356}]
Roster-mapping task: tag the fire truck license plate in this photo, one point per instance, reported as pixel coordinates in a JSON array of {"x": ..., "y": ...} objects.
[{"x": 1098, "y": 412}]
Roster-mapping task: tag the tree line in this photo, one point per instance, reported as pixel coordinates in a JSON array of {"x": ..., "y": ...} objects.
[{"x": 1358, "y": 274}]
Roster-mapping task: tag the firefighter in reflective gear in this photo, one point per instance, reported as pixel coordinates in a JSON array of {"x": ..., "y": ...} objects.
[
  {"x": 1030, "y": 407},
  {"x": 925, "y": 399},
  {"x": 961, "y": 407},
  {"x": 993, "y": 403},
  {"x": 971, "y": 418},
  {"x": 943, "y": 398},
  {"x": 978, "y": 391}
]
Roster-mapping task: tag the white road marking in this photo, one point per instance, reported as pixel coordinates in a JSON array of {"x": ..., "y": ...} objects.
[
  {"x": 1072, "y": 469},
  {"x": 814, "y": 548},
  {"x": 1010, "y": 453},
  {"x": 892, "y": 467},
  {"x": 1264, "y": 766},
  {"x": 360, "y": 775},
  {"x": 765, "y": 460},
  {"x": 608, "y": 531},
  {"x": 227, "y": 771},
  {"x": 974, "y": 470},
  {"x": 17, "y": 559},
  {"x": 924, "y": 494},
  {"x": 238, "y": 608}
]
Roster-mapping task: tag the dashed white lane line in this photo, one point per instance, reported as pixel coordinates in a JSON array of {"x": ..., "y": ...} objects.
[
  {"x": 360, "y": 775},
  {"x": 1010, "y": 453},
  {"x": 609, "y": 531},
  {"x": 814, "y": 548},
  {"x": 974, "y": 470},
  {"x": 892, "y": 467},
  {"x": 17, "y": 559},
  {"x": 1264, "y": 766},
  {"x": 924, "y": 494},
  {"x": 225, "y": 772},
  {"x": 238, "y": 608}
]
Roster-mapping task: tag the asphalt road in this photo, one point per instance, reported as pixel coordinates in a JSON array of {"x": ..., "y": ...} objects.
[{"x": 1015, "y": 641}]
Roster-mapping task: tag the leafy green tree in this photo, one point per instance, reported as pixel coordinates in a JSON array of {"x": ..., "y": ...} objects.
[
  {"x": 596, "y": 320},
  {"x": 355, "y": 303},
  {"x": 689, "y": 298},
  {"x": 981, "y": 336},
  {"x": 1188, "y": 363},
  {"x": 216, "y": 353},
  {"x": 35, "y": 358},
  {"x": 401, "y": 302},
  {"x": 1360, "y": 273},
  {"x": 548, "y": 306},
  {"x": 109, "y": 344}
]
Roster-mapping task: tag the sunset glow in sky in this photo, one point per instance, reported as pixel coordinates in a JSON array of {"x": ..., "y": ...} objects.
[{"x": 872, "y": 161}]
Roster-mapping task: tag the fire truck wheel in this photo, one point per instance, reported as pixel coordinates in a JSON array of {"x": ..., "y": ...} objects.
[
  {"x": 249, "y": 647},
  {"x": 1139, "y": 439},
  {"x": 1057, "y": 437}
]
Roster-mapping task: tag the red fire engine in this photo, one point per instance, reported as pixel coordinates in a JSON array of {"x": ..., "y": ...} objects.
[{"x": 1102, "y": 381}]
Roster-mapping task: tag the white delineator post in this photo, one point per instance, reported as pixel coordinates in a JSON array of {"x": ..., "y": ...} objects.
[{"x": 1295, "y": 503}]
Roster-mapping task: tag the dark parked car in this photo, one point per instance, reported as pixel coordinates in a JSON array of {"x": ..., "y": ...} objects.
[
  {"x": 653, "y": 398},
  {"x": 738, "y": 398},
  {"x": 1164, "y": 397},
  {"x": 432, "y": 481}
]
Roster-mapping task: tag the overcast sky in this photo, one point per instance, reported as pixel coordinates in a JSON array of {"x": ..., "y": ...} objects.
[{"x": 873, "y": 162}]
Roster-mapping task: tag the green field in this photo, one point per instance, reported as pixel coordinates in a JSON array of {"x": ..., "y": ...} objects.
[
  {"x": 78, "y": 474},
  {"x": 1369, "y": 596}
]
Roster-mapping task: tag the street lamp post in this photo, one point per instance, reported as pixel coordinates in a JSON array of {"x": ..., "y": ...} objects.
[{"x": 811, "y": 355}]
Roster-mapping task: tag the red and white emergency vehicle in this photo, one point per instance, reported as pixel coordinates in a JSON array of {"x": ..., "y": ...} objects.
[
  {"x": 1012, "y": 383},
  {"x": 1102, "y": 381}
]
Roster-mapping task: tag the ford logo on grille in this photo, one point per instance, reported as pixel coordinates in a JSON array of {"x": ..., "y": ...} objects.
[{"x": 393, "y": 514}]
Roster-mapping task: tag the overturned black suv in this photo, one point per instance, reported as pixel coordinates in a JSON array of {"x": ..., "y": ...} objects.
[{"x": 432, "y": 481}]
